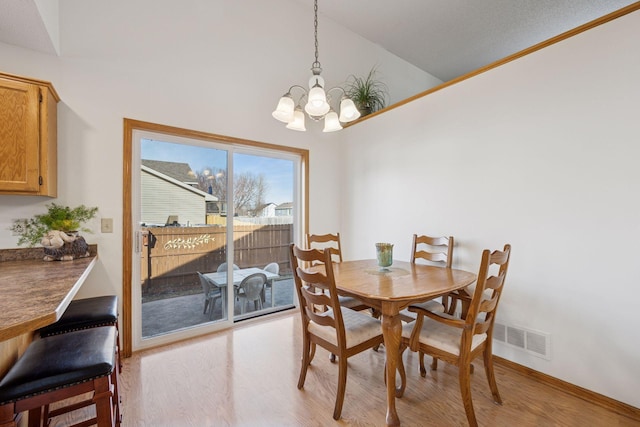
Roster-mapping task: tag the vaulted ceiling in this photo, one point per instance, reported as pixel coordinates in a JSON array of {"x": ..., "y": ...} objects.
[{"x": 446, "y": 38}]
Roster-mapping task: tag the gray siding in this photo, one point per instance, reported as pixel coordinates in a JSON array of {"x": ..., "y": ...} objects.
[{"x": 162, "y": 198}]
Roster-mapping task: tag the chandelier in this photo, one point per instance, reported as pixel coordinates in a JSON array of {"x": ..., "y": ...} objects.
[{"x": 318, "y": 102}]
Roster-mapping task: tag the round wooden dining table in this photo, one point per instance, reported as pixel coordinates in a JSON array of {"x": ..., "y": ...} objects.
[{"x": 391, "y": 290}]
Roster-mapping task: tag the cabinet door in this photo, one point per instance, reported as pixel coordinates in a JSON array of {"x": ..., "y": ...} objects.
[{"x": 19, "y": 136}]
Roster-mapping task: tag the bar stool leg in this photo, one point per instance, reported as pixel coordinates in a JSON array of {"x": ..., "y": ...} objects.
[
  {"x": 35, "y": 417},
  {"x": 103, "y": 399},
  {"x": 116, "y": 396}
]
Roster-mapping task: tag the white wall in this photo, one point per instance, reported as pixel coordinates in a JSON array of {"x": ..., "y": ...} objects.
[{"x": 541, "y": 153}]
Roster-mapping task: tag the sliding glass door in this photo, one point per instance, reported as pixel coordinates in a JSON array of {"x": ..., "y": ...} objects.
[
  {"x": 263, "y": 227},
  {"x": 212, "y": 225}
]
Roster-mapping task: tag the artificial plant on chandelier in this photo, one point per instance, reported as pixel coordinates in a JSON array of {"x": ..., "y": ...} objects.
[{"x": 318, "y": 104}]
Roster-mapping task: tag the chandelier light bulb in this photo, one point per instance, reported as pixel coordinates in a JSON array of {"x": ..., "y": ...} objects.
[
  {"x": 331, "y": 122},
  {"x": 348, "y": 111},
  {"x": 298, "y": 121},
  {"x": 284, "y": 110},
  {"x": 317, "y": 104}
]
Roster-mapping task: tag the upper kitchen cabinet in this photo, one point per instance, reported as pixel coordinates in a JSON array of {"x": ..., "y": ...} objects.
[{"x": 28, "y": 136}]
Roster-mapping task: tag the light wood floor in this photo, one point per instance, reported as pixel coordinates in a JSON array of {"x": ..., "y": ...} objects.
[{"x": 247, "y": 377}]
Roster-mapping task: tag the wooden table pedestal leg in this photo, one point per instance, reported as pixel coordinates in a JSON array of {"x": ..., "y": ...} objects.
[{"x": 392, "y": 332}]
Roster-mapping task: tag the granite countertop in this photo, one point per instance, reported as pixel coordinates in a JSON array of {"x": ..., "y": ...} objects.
[{"x": 34, "y": 293}]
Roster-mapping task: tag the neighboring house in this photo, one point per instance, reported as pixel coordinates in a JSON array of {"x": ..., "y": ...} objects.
[
  {"x": 266, "y": 210},
  {"x": 178, "y": 171},
  {"x": 284, "y": 209},
  {"x": 163, "y": 196}
]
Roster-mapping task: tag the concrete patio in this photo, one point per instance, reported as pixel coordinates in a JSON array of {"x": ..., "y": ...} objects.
[{"x": 170, "y": 314}]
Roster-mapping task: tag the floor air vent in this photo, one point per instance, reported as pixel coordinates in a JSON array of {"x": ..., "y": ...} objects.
[{"x": 533, "y": 342}]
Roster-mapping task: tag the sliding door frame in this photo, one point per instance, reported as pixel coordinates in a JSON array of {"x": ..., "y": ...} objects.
[{"x": 130, "y": 126}]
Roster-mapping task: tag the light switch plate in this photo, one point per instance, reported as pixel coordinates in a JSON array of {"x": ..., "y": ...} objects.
[{"x": 106, "y": 225}]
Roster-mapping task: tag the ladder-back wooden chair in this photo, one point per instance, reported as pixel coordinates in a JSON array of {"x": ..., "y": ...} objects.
[
  {"x": 340, "y": 330},
  {"x": 460, "y": 341},
  {"x": 436, "y": 251},
  {"x": 433, "y": 251},
  {"x": 332, "y": 242}
]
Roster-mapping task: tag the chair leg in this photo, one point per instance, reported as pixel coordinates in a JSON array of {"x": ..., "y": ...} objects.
[
  {"x": 464, "y": 375},
  {"x": 206, "y": 305},
  {"x": 434, "y": 364},
  {"x": 488, "y": 368},
  {"x": 213, "y": 306},
  {"x": 273, "y": 295},
  {"x": 375, "y": 313},
  {"x": 403, "y": 375},
  {"x": 465, "y": 308},
  {"x": 306, "y": 359},
  {"x": 453, "y": 304},
  {"x": 342, "y": 386},
  {"x": 445, "y": 300},
  {"x": 313, "y": 352},
  {"x": 423, "y": 371}
]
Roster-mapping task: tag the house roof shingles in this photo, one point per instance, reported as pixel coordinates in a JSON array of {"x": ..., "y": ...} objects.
[{"x": 178, "y": 171}]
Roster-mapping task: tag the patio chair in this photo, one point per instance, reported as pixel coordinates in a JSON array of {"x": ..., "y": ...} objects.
[
  {"x": 250, "y": 290},
  {"x": 211, "y": 294},
  {"x": 223, "y": 267},
  {"x": 272, "y": 267}
]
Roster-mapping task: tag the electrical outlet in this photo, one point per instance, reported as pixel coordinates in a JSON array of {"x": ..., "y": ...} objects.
[
  {"x": 17, "y": 226},
  {"x": 106, "y": 225}
]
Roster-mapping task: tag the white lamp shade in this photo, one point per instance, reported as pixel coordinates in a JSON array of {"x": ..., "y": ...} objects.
[
  {"x": 298, "y": 121},
  {"x": 317, "y": 104},
  {"x": 284, "y": 110},
  {"x": 348, "y": 111},
  {"x": 331, "y": 122}
]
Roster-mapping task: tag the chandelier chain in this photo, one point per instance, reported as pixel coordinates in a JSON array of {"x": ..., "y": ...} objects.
[
  {"x": 318, "y": 100},
  {"x": 316, "y": 64}
]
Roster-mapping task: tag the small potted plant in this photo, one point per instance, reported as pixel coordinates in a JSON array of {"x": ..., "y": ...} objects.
[
  {"x": 57, "y": 231},
  {"x": 368, "y": 93}
]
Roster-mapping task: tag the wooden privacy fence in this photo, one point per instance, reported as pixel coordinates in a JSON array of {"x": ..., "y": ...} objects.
[{"x": 171, "y": 256}]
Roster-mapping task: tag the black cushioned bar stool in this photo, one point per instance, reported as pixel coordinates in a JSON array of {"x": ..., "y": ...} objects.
[
  {"x": 59, "y": 367},
  {"x": 84, "y": 314}
]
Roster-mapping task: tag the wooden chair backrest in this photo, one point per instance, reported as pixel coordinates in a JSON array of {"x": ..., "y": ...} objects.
[
  {"x": 331, "y": 241},
  {"x": 316, "y": 288},
  {"x": 440, "y": 249},
  {"x": 488, "y": 291}
]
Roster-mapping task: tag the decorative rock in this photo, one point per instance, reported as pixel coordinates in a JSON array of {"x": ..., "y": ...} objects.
[{"x": 61, "y": 246}]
